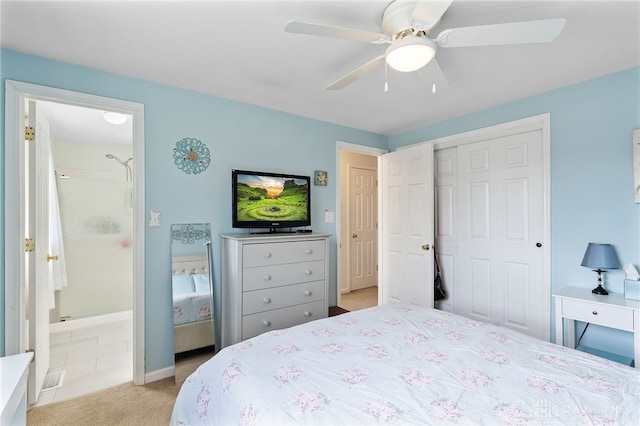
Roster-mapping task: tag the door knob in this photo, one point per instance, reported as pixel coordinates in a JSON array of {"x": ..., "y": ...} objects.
[
  {"x": 426, "y": 247},
  {"x": 354, "y": 235},
  {"x": 50, "y": 257},
  {"x": 538, "y": 245}
]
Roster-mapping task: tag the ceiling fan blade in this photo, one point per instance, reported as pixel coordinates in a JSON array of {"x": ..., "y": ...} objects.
[
  {"x": 426, "y": 14},
  {"x": 541, "y": 31},
  {"x": 432, "y": 74},
  {"x": 335, "y": 32},
  {"x": 356, "y": 74}
]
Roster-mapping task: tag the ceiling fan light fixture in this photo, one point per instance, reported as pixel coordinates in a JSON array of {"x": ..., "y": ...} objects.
[{"x": 410, "y": 53}]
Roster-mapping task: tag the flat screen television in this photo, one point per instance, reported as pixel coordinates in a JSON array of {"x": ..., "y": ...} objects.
[{"x": 264, "y": 200}]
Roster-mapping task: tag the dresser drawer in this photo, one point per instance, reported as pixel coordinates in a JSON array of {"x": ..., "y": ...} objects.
[
  {"x": 279, "y": 275},
  {"x": 597, "y": 313},
  {"x": 259, "y": 323},
  {"x": 280, "y": 297},
  {"x": 278, "y": 253}
]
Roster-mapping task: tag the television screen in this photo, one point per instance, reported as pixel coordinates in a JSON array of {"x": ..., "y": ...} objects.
[{"x": 270, "y": 200}]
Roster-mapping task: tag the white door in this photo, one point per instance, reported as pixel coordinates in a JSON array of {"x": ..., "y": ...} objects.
[
  {"x": 38, "y": 269},
  {"x": 407, "y": 226},
  {"x": 500, "y": 269},
  {"x": 363, "y": 218}
]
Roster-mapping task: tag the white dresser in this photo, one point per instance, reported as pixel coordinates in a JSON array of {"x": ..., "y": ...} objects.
[{"x": 272, "y": 281}]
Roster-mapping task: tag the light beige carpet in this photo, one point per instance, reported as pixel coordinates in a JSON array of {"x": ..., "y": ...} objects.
[{"x": 126, "y": 404}]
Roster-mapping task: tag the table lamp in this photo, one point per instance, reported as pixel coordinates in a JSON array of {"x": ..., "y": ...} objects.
[{"x": 600, "y": 257}]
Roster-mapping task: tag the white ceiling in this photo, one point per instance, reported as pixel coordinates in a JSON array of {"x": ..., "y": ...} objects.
[{"x": 238, "y": 50}]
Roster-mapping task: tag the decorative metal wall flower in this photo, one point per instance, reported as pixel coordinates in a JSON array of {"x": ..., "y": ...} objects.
[{"x": 191, "y": 156}]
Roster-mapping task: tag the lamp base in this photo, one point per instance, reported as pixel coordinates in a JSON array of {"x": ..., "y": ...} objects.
[{"x": 600, "y": 290}]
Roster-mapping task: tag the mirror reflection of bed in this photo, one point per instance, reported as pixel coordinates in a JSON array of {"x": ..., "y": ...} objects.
[{"x": 194, "y": 334}]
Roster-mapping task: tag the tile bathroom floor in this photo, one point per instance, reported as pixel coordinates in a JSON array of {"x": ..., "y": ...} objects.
[{"x": 93, "y": 358}]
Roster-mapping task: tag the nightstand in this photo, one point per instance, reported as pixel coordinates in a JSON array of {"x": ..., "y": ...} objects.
[{"x": 614, "y": 311}]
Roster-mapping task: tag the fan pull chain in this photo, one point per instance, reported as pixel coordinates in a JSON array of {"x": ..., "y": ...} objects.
[{"x": 386, "y": 85}]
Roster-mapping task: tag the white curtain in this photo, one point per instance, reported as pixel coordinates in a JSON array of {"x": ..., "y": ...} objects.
[{"x": 56, "y": 244}]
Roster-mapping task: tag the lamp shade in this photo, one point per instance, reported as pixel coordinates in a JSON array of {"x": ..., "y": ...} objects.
[
  {"x": 410, "y": 53},
  {"x": 600, "y": 256}
]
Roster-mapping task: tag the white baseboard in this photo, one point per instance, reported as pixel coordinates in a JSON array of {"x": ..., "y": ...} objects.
[
  {"x": 90, "y": 321},
  {"x": 154, "y": 376}
]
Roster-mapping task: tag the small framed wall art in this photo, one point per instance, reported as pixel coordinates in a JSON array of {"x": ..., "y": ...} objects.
[{"x": 320, "y": 178}]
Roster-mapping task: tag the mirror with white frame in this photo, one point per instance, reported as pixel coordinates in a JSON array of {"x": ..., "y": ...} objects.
[{"x": 192, "y": 290}]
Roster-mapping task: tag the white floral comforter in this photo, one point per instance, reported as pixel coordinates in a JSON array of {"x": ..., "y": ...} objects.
[
  {"x": 191, "y": 307},
  {"x": 405, "y": 364}
]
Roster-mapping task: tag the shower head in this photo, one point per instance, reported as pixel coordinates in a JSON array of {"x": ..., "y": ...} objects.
[
  {"x": 113, "y": 157},
  {"x": 123, "y": 163}
]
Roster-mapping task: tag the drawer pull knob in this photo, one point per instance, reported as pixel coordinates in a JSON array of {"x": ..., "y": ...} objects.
[
  {"x": 307, "y": 314},
  {"x": 307, "y": 293},
  {"x": 267, "y": 277},
  {"x": 307, "y": 272},
  {"x": 266, "y": 323},
  {"x": 308, "y": 251},
  {"x": 267, "y": 300},
  {"x": 595, "y": 312},
  {"x": 267, "y": 254}
]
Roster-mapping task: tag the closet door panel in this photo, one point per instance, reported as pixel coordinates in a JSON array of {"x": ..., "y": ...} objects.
[{"x": 500, "y": 218}]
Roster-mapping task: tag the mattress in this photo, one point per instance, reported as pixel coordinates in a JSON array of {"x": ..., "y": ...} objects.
[{"x": 406, "y": 364}]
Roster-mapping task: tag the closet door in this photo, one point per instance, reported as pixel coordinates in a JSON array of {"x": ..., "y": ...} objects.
[{"x": 500, "y": 262}]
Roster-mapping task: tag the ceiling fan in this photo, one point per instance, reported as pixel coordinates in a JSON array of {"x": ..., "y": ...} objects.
[{"x": 406, "y": 27}]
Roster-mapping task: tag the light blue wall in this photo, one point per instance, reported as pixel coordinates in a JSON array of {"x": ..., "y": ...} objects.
[
  {"x": 591, "y": 177},
  {"x": 238, "y": 135},
  {"x": 591, "y": 170}
]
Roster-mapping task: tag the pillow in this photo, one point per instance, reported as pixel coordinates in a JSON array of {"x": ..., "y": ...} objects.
[
  {"x": 201, "y": 282},
  {"x": 182, "y": 284}
]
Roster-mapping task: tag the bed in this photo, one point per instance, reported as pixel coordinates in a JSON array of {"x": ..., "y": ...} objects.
[
  {"x": 192, "y": 324},
  {"x": 406, "y": 364}
]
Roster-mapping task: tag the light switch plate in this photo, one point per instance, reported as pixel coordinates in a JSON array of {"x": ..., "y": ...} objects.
[
  {"x": 154, "y": 219},
  {"x": 329, "y": 216}
]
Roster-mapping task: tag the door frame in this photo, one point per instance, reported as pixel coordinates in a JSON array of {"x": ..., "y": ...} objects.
[
  {"x": 15, "y": 94},
  {"x": 341, "y": 263}
]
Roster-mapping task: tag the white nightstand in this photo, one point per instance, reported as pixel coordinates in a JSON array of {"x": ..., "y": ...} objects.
[{"x": 613, "y": 310}]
